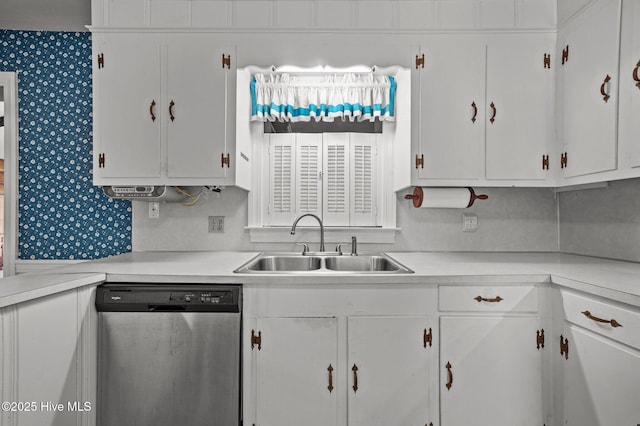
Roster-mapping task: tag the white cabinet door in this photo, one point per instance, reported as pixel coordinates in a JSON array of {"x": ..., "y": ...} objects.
[
  {"x": 48, "y": 356},
  {"x": 601, "y": 380},
  {"x": 296, "y": 372},
  {"x": 197, "y": 96},
  {"x": 388, "y": 369},
  {"x": 491, "y": 371},
  {"x": 588, "y": 76},
  {"x": 450, "y": 120},
  {"x": 519, "y": 107},
  {"x": 127, "y": 107},
  {"x": 629, "y": 125}
]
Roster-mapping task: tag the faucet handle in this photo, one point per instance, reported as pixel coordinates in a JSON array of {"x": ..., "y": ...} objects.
[
  {"x": 305, "y": 248},
  {"x": 339, "y": 247}
]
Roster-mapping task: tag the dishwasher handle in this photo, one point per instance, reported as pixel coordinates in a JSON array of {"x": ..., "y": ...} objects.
[{"x": 167, "y": 308}]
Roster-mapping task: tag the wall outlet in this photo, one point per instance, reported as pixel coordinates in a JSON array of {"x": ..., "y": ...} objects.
[
  {"x": 216, "y": 223},
  {"x": 154, "y": 209},
  {"x": 469, "y": 222}
]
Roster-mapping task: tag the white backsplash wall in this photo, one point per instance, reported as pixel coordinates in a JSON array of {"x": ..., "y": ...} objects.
[
  {"x": 602, "y": 222},
  {"x": 512, "y": 219}
]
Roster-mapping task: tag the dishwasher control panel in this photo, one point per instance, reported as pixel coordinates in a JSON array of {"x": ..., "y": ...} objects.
[{"x": 168, "y": 298}]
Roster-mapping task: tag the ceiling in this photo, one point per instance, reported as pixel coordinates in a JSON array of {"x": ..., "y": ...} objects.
[{"x": 46, "y": 15}]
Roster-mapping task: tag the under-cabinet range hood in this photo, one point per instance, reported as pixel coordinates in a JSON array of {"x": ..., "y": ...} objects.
[{"x": 151, "y": 192}]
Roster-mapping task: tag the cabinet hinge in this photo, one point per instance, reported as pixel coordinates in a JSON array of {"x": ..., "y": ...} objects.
[
  {"x": 101, "y": 159},
  {"x": 226, "y": 61},
  {"x": 100, "y": 60},
  {"x": 256, "y": 339},
  {"x": 547, "y": 60},
  {"x": 225, "y": 160},
  {"x": 565, "y": 55},
  {"x": 420, "y": 61},
  {"x": 564, "y": 347},
  {"x": 427, "y": 337},
  {"x": 564, "y": 160},
  {"x": 540, "y": 338},
  {"x": 545, "y": 162},
  {"x": 419, "y": 161}
]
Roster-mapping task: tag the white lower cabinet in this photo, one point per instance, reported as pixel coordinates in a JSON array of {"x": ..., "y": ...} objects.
[
  {"x": 296, "y": 369},
  {"x": 300, "y": 375},
  {"x": 491, "y": 355},
  {"x": 600, "y": 350},
  {"x": 48, "y": 360},
  {"x": 491, "y": 371},
  {"x": 358, "y": 355},
  {"x": 388, "y": 364},
  {"x": 601, "y": 381}
]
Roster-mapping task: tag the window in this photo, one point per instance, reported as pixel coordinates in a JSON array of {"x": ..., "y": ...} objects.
[
  {"x": 347, "y": 173},
  {"x": 332, "y": 175}
]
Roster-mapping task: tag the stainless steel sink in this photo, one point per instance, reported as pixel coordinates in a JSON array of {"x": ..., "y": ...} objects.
[
  {"x": 280, "y": 263},
  {"x": 322, "y": 263},
  {"x": 364, "y": 263}
]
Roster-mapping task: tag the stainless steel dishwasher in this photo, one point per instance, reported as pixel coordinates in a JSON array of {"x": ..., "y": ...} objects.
[{"x": 168, "y": 354}]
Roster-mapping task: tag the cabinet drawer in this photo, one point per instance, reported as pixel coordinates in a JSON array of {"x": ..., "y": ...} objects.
[
  {"x": 488, "y": 298},
  {"x": 604, "y": 318}
]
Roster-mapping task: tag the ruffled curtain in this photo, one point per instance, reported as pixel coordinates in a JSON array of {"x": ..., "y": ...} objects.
[{"x": 353, "y": 97}]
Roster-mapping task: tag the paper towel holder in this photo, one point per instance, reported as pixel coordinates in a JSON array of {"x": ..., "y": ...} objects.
[{"x": 418, "y": 195}]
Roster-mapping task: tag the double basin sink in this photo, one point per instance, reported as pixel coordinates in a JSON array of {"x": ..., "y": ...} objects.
[{"x": 285, "y": 263}]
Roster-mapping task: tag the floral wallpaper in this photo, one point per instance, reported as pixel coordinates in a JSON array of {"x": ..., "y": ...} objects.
[{"x": 61, "y": 215}]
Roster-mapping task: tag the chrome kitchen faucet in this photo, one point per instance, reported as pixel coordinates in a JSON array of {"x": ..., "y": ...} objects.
[{"x": 295, "y": 223}]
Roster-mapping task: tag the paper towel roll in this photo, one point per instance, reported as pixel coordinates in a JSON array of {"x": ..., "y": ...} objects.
[{"x": 443, "y": 198}]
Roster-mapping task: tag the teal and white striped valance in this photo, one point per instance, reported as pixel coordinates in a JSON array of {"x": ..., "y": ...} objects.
[{"x": 353, "y": 97}]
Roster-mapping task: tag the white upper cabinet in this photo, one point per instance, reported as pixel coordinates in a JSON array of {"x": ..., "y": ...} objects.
[
  {"x": 629, "y": 125},
  {"x": 484, "y": 110},
  {"x": 449, "y": 102},
  {"x": 519, "y": 107},
  {"x": 127, "y": 111},
  {"x": 160, "y": 110},
  {"x": 198, "y": 89},
  {"x": 588, "y": 49}
]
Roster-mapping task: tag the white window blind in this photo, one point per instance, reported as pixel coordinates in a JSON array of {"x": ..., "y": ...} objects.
[
  {"x": 332, "y": 175},
  {"x": 336, "y": 179},
  {"x": 281, "y": 179},
  {"x": 308, "y": 167},
  {"x": 362, "y": 177}
]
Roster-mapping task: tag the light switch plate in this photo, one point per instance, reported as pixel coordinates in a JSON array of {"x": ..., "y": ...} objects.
[{"x": 469, "y": 222}]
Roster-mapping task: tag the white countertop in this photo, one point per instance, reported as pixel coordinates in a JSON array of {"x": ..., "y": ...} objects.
[{"x": 617, "y": 280}]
